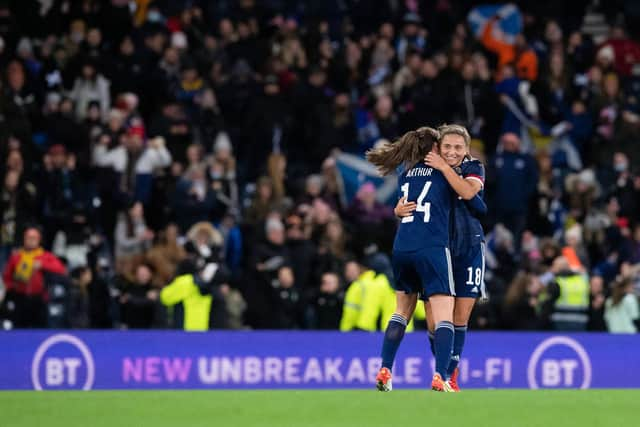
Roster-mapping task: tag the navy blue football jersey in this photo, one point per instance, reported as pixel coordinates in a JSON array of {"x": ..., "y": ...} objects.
[
  {"x": 467, "y": 231},
  {"x": 429, "y": 225}
]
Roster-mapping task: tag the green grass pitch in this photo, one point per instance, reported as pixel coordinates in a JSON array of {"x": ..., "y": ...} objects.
[{"x": 369, "y": 408}]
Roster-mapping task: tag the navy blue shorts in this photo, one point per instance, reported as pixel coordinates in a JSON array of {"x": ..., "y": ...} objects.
[
  {"x": 468, "y": 272},
  {"x": 426, "y": 272}
]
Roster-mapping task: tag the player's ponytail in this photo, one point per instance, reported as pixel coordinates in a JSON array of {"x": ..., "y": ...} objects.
[{"x": 409, "y": 149}]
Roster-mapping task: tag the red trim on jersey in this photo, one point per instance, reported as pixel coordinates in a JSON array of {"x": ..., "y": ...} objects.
[{"x": 471, "y": 175}]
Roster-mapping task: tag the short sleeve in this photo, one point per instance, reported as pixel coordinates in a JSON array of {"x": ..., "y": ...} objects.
[{"x": 473, "y": 169}]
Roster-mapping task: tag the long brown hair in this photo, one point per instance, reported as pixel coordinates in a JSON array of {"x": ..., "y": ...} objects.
[
  {"x": 517, "y": 289},
  {"x": 276, "y": 166},
  {"x": 619, "y": 290},
  {"x": 409, "y": 149}
]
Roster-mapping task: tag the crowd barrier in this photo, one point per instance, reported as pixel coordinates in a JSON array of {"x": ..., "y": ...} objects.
[{"x": 99, "y": 360}]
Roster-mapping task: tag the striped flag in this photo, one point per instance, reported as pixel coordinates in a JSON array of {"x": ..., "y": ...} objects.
[
  {"x": 508, "y": 27},
  {"x": 354, "y": 171}
]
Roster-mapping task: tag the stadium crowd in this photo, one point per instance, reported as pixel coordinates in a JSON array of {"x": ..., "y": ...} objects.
[{"x": 173, "y": 163}]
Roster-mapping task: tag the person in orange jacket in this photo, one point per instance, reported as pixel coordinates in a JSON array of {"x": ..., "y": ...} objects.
[
  {"x": 519, "y": 54},
  {"x": 25, "y": 283}
]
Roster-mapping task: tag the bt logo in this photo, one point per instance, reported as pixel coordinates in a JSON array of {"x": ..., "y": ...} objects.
[
  {"x": 62, "y": 362},
  {"x": 559, "y": 362}
]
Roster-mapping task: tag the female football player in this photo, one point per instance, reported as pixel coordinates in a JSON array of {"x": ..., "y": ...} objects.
[
  {"x": 466, "y": 176},
  {"x": 421, "y": 256}
]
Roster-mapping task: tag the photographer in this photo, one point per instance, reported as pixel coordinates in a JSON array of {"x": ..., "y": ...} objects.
[{"x": 201, "y": 282}]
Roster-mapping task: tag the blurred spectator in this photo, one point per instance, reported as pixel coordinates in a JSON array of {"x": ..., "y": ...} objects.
[
  {"x": 132, "y": 236},
  {"x": 331, "y": 253},
  {"x": 208, "y": 120},
  {"x": 522, "y": 302},
  {"x": 624, "y": 52},
  {"x": 267, "y": 259},
  {"x": 472, "y": 100},
  {"x": 268, "y": 127},
  {"x": 79, "y": 300},
  {"x": 64, "y": 198},
  {"x": 513, "y": 169},
  {"x": 201, "y": 285},
  {"x": 413, "y": 36},
  {"x": 365, "y": 211},
  {"x": 568, "y": 297},
  {"x": 17, "y": 204},
  {"x": 137, "y": 299},
  {"x": 575, "y": 252},
  {"x": 126, "y": 73},
  {"x": 301, "y": 249},
  {"x": 288, "y": 312},
  {"x": 90, "y": 86},
  {"x": 520, "y": 54},
  {"x": 222, "y": 174},
  {"x": 133, "y": 164},
  {"x": 25, "y": 280},
  {"x": 621, "y": 309},
  {"x": 233, "y": 250},
  {"x": 166, "y": 255},
  {"x": 264, "y": 202},
  {"x": 326, "y": 303},
  {"x": 193, "y": 199},
  {"x": 596, "y": 304},
  {"x": 367, "y": 299},
  {"x": 173, "y": 125}
]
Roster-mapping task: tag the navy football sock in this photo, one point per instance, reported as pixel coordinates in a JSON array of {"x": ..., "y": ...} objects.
[
  {"x": 458, "y": 343},
  {"x": 392, "y": 339},
  {"x": 432, "y": 344},
  {"x": 444, "y": 347}
]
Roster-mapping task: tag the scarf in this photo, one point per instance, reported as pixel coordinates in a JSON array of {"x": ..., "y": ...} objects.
[{"x": 24, "y": 269}]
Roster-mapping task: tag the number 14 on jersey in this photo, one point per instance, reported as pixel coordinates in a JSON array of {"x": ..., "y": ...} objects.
[{"x": 421, "y": 204}]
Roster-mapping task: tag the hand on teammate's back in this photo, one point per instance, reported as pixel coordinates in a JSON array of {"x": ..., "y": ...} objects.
[{"x": 404, "y": 208}]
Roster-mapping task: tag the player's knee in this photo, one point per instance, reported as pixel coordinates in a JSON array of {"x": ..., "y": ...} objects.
[
  {"x": 404, "y": 312},
  {"x": 460, "y": 318},
  {"x": 406, "y": 306},
  {"x": 462, "y": 311}
]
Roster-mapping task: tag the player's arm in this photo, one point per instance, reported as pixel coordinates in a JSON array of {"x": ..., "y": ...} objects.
[
  {"x": 477, "y": 206},
  {"x": 466, "y": 188},
  {"x": 404, "y": 208}
]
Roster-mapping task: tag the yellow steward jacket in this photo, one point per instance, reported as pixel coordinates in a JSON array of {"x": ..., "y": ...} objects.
[
  {"x": 369, "y": 299},
  {"x": 197, "y": 307}
]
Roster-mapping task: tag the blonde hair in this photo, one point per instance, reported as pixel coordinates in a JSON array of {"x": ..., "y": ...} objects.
[
  {"x": 454, "y": 129},
  {"x": 409, "y": 149}
]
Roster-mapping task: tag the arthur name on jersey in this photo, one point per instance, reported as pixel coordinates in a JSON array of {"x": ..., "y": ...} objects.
[{"x": 419, "y": 172}]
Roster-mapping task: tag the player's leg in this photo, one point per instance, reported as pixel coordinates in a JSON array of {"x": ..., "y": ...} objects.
[
  {"x": 405, "y": 306},
  {"x": 469, "y": 278},
  {"x": 442, "y": 309},
  {"x": 406, "y": 299},
  {"x": 431, "y": 327},
  {"x": 461, "y": 315},
  {"x": 439, "y": 287}
]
